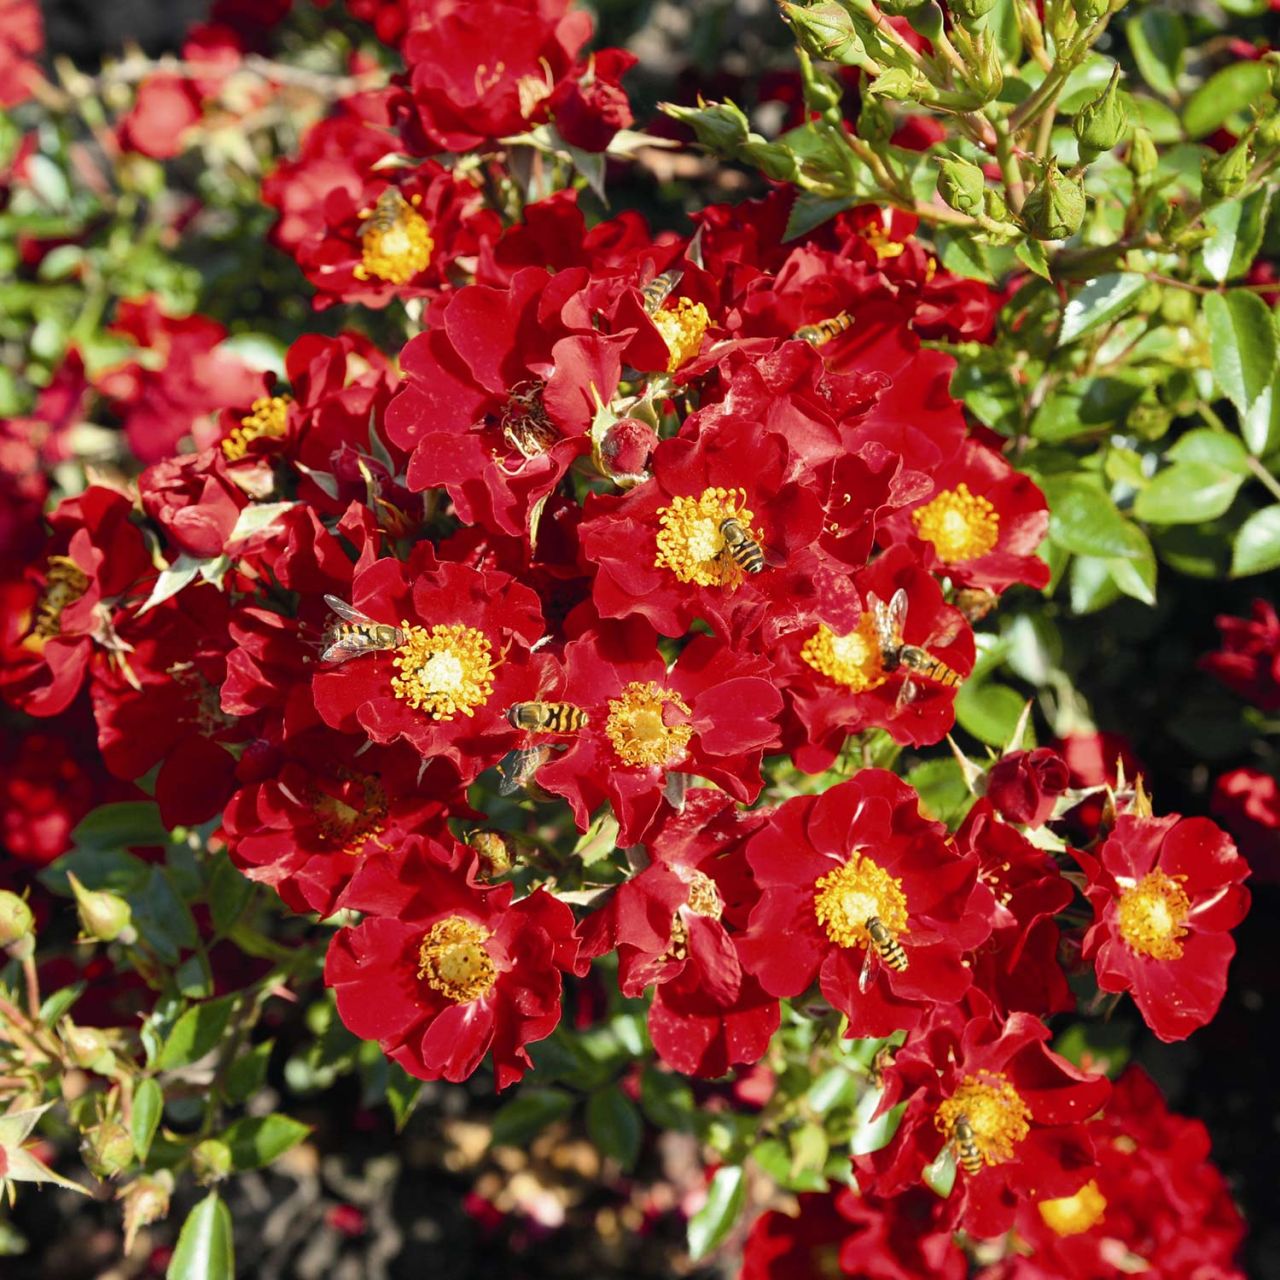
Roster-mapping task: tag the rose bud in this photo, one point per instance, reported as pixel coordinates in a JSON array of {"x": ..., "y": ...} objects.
[
  {"x": 103, "y": 916},
  {"x": 626, "y": 448},
  {"x": 17, "y": 924},
  {"x": 1024, "y": 786},
  {"x": 107, "y": 1149},
  {"x": 211, "y": 1161}
]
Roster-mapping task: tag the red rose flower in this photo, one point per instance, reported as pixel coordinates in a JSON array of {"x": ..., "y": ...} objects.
[
  {"x": 1249, "y": 661},
  {"x": 982, "y": 525},
  {"x": 461, "y": 658},
  {"x": 1164, "y": 893},
  {"x": 865, "y": 895},
  {"x": 194, "y": 501},
  {"x": 1011, "y": 1110},
  {"x": 710, "y": 715},
  {"x": 44, "y": 792},
  {"x": 442, "y": 970},
  {"x": 590, "y": 105},
  {"x": 165, "y": 109},
  {"x": 1247, "y": 802},
  {"x": 1024, "y": 786}
]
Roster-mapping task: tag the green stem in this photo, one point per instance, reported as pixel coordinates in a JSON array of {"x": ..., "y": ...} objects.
[{"x": 1269, "y": 481}]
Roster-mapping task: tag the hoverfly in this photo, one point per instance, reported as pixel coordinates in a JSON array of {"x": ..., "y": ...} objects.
[
  {"x": 741, "y": 547},
  {"x": 518, "y": 768},
  {"x": 966, "y": 1145},
  {"x": 386, "y": 212},
  {"x": 883, "y": 945},
  {"x": 659, "y": 289},
  {"x": 547, "y": 717},
  {"x": 356, "y": 634},
  {"x": 822, "y": 331},
  {"x": 894, "y": 653}
]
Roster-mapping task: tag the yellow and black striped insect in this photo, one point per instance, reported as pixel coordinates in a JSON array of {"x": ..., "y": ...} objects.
[
  {"x": 822, "y": 331},
  {"x": 659, "y": 289},
  {"x": 388, "y": 210},
  {"x": 518, "y": 768},
  {"x": 547, "y": 717},
  {"x": 744, "y": 550},
  {"x": 885, "y": 947},
  {"x": 966, "y": 1144},
  {"x": 890, "y": 619},
  {"x": 356, "y": 634}
]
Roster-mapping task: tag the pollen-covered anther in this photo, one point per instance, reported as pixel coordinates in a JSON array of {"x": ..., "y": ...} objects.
[
  {"x": 961, "y": 525},
  {"x": 395, "y": 241},
  {"x": 348, "y": 825},
  {"x": 704, "y": 898},
  {"x": 268, "y": 418},
  {"x": 846, "y": 898},
  {"x": 638, "y": 728},
  {"x": 1073, "y": 1215},
  {"x": 1151, "y": 913},
  {"x": 690, "y": 543},
  {"x": 445, "y": 670},
  {"x": 454, "y": 960},
  {"x": 996, "y": 1113},
  {"x": 852, "y": 660},
  {"x": 682, "y": 324},
  {"x": 526, "y": 426},
  {"x": 65, "y": 582}
]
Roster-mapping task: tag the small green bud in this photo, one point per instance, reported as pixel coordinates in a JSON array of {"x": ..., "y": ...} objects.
[
  {"x": 1101, "y": 122},
  {"x": 1059, "y": 21},
  {"x": 996, "y": 207},
  {"x": 718, "y": 126},
  {"x": 17, "y": 924},
  {"x": 896, "y": 84},
  {"x": 875, "y": 124},
  {"x": 825, "y": 31},
  {"x": 961, "y": 185},
  {"x": 1088, "y": 11},
  {"x": 986, "y": 75},
  {"x": 926, "y": 19},
  {"x": 1224, "y": 176},
  {"x": 145, "y": 1200},
  {"x": 821, "y": 92},
  {"x": 1267, "y": 134},
  {"x": 107, "y": 1148},
  {"x": 103, "y": 916},
  {"x": 1149, "y": 419},
  {"x": 211, "y": 1161},
  {"x": 970, "y": 11},
  {"x": 1055, "y": 209},
  {"x": 773, "y": 159},
  {"x": 89, "y": 1048},
  {"x": 1143, "y": 156}
]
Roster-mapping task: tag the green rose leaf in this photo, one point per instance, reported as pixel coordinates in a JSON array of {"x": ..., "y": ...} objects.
[
  {"x": 1187, "y": 493},
  {"x": 1101, "y": 300},
  {"x": 712, "y": 1223},
  {"x": 205, "y": 1250},
  {"x": 1257, "y": 545},
  {"x": 1242, "y": 347}
]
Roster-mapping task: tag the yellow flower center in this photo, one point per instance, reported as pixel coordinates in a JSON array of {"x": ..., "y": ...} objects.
[
  {"x": 1151, "y": 916},
  {"x": 852, "y": 660},
  {"x": 444, "y": 670},
  {"x": 1072, "y": 1215},
  {"x": 526, "y": 427},
  {"x": 682, "y": 325},
  {"x": 996, "y": 1113},
  {"x": 638, "y": 729},
  {"x": 690, "y": 543},
  {"x": 345, "y": 825},
  {"x": 455, "y": 962},
  {"x": 704, "y": 898},
  {"x": 961, "y": 525},
  {"x": 877, "y": 236},
  {"x": 64, "y": 583},
  {"x": 846, "y": 898},
  {"x": 395, "y": 241},
  {"x": 269, "y": 416}
]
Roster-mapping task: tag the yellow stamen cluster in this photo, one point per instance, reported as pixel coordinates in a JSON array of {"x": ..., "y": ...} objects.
[
  {"x": 704, "y": 898},
  {"x": 1151, "y": 915},
  {"x": 961, "y": 525},
  {"x": 455, "y": 962},
  {"x": 690, "y": 543},
  {"x": 877, "y": 237},
  {"x": 995, "y": 1111},
  {"x": 269, "y": 416},
  {"x": 205, "y": 698},
  {"x": 395, "y": 242},
  {"x": 852, "y": 660},
  {"x": 345, "y": 825},
  {"x": 638, "y": 729},
  {"x": 682, "y": 325},
  {"x": 846, "y": 898},
  {"x": 1073, "y": 1215},
  {"x": 445, "y": 670},
  {"x": 526, "y": 426},
  {"x": 65, "y": 582}
]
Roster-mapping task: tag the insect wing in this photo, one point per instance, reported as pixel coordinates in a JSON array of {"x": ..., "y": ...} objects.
[
  {"x": 348, "y": 613},
  {"x": 345, "y": 647},
  {"x": 909, "y": 692},
  {"x": 869, "y": 963}
]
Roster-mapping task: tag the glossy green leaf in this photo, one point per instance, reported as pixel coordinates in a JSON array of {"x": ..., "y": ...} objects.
[
  {"x": 195, "y": 1033},
  {"x": 248, "y": 1071},
  {"x": 205, "y": 1250},
  {"x": 1257, "y": 544},
  {"x": 1227, "y": 93},
  {"x": 1136, "y": 578},
  {"x": 1101, "y": 300},
  {"x": 148, "y": 1107},
  {"x": 871, "y": 1132},
  {"x": 1091, "y": 585},
  {"x": 726, "y": 1198},
  {"x": 667, "y": 1100},
  {"x": 1158, "y": 40},
  {"x": 1216, "y": 447},
  {"x": 1236, "y": 228},
  {"x": 1032, "y": 255},
  {"x": 256, "y": 1141},
  {"x": 988, "y": 711},
  {"x": 1083, "y": 519},
  {"x": 527, "y": 1115},
  {"x": 1187, "y": 493},
  {"x": 129, "y": 823},
  {"x": 1242, "y": 347},
  {"x": 614, "y": 1125}
]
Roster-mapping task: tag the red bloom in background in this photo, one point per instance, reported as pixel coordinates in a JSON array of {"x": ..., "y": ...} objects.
[
  {"x": 309, "y": 809},
  {"x": 1024, "y": 1106},
  {"x": 804, "y": 1245},
  {"x": 1249, "y": 661},
  {"x": 461, "y": 660},
  {"x": 1247, "y": 802},
  {"x": 590, "y": 105},
  {"x": 1017, "y": 967},
  {"x": 164, "y": 110},
  {"x": 498, "y": 397},
  {"x": 442, "y": 971},
  {"x": 21, "y": 42},
  {"x": 836, "y": 682},
  {"x": 710, "y": 715},
  {"x": 982, "y": 525},
  {"x": 95, "y": 556},
  {"x": 1155, "y": 1206},
  {"x": 1024, "y": 786},
  {"x": 194, "y": 501},
  {"x": 1164, "y": 893},
  {"x": 44, "y": 792},
  {"x": 828, "y": 866}
]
